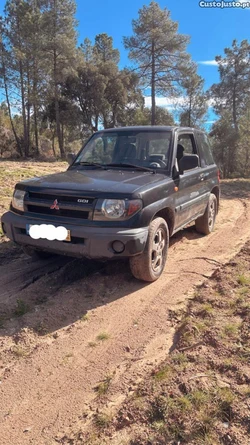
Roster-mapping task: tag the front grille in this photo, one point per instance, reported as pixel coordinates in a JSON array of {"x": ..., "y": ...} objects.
[
  {"x": 64, "y": 198},
  {"x": 62, "y": 212},
  {"x": 78, "y": 206}
]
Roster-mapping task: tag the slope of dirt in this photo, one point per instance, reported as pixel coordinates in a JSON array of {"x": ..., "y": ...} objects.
[
  {"x": 68, "y": 324},
  {"x": 200, "y": 394}
]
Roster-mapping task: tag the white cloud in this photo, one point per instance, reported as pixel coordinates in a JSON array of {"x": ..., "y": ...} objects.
[
  {"x": 165, "y": 102},
  {"x": 209, "y": 62},
  {"x": 171, "y": 103}
]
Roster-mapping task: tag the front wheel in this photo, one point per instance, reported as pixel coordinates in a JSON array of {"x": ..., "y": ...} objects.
[
  {"x": 148, "y": 266},
  {"x": 205, "y": 224}
]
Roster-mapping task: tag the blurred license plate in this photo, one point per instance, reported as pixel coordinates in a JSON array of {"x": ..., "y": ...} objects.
[{"x": 28, "y": 226}]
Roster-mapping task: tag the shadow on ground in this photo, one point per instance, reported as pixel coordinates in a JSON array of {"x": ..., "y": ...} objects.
[{"x": 48, "y": 295}]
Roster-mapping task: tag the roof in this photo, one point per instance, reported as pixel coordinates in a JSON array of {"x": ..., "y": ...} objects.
[{"x": 148, "y": 128}]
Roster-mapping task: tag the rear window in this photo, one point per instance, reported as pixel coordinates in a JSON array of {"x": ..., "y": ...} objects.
[{"x": 206, "y": 156}]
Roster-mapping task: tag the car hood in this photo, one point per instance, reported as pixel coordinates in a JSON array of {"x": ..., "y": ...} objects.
[{"x": 95, "y": 180}]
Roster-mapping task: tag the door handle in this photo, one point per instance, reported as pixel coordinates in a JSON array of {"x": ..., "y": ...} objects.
[{"x": 202, "y": 176}]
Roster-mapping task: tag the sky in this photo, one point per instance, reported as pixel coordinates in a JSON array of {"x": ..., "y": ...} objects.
[{"x": 210, "y": 29}]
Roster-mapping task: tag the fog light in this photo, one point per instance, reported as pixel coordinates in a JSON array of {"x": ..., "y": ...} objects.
[{"x": 118, "y": 247}]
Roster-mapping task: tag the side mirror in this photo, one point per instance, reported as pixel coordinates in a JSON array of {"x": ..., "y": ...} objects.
[
  {"x": 71, "y": 158},
  {"x": 187, "y": 162}
]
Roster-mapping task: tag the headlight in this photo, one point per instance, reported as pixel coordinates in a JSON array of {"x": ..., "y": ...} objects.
[
  {"x": 113, "y": 208},
  {"x": 18, "y": 200},
  {"x": 116, "y": 209}
]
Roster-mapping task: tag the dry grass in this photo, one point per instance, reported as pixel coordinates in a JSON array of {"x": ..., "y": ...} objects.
[{"x": 12, "y": 172}]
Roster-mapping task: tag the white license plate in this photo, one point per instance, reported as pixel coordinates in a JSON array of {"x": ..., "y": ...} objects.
[{"x": 44, "y": 235}]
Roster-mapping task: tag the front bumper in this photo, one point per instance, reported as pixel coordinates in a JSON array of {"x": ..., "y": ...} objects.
[{"x": 89, "y": 242}]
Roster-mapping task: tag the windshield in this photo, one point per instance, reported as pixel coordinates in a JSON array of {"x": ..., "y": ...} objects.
[{"x": 144, "y": 149}]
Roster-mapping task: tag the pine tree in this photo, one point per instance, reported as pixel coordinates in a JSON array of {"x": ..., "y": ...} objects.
[
  {"x": 103, "y": 49},
  {"x": 232, "y": 92},
  {"x": 194, "y": 106},
  {"x": 159, "y": 51},
  {"x": 59, "y": 47}
]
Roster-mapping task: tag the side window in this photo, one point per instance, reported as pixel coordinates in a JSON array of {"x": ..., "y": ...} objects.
[
  {"x": 185, "y": 145},
  {"x": 205, "y": 150},
  {"x": 187, "y": 142}
]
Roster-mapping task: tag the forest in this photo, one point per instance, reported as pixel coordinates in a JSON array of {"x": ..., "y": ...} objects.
[{"x": 55, "y": 92}]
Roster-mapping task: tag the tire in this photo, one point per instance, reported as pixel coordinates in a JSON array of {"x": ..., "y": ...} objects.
[
  {"x": 205, "y": 224},
  {"x": 148, "y": 266},
  {"x": 36, "y": 254}
]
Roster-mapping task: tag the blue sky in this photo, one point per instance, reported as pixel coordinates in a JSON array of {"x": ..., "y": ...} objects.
[{"x": 210, "y": 29}]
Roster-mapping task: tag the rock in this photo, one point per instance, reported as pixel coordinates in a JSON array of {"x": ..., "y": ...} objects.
[{"x": 27, "y": 430}]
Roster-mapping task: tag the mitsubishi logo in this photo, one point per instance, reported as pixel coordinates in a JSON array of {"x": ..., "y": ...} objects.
[{"x": 55, "y": 205}]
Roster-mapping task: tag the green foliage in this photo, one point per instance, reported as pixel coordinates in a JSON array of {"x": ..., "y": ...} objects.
[
  {"x": 159, "y": 51},
  {"x": 194, "y": 107},
  {"x": 103, "y": 50},
  {"x": 230, "y": 97},
  {"x": 103, "y": 387},
  {"x": 38, "y": 49},
  {"x": 234, "y": 69},
  {"x": 102, "y": 420},
  {"x": 102, "y": 336},
  {"x": 243, "y": 280}
]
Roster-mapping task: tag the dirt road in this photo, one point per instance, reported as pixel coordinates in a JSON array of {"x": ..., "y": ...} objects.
[{"x": 68, "y": 324}]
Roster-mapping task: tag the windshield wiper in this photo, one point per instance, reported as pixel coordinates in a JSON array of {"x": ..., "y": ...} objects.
[
  {"x": 136, "y": 167},
  {"x": 91, "y": 164}
]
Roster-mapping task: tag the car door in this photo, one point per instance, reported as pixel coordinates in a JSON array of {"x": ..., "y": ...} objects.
[{"x": 192, "y": 195}]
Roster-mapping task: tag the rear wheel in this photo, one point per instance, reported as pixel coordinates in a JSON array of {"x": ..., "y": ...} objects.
[
  {"x": 36, "y": 254},
  {"x": 148, "y": 266},
  {"x": 205, "y": 224}
]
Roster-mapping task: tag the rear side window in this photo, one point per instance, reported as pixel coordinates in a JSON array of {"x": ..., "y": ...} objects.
[
  {"x": 205, "y": 150},
  {"x": 186, "y": 141}
]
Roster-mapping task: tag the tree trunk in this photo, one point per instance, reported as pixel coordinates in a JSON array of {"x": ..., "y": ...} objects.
[
  {"x": 234, "y": 110},
  {"x": 34, "y": 104},
  {"x": 36, "y": 129},
  {"x": 96, "y": 122},
  {"x": 62, "y": 126},
  {"x": 189, "y": 112},
  {"x": 56, "y": 92},
  {"x": 153, "y": 109},
  {"x": 19, "y": 148},
  {"x": 28, "y": 108},
  {"x": 53, "y": 143},
  {"x": 105, "y": 122},
  {"x": 25, "y": 135}
]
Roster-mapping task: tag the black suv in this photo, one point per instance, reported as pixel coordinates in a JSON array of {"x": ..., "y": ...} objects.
[{"x": 123, "y": 195}]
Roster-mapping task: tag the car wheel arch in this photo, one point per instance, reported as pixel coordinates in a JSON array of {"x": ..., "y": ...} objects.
[
  {"x": 216, "y": 191},
  {"x": 168, "y": 215}
]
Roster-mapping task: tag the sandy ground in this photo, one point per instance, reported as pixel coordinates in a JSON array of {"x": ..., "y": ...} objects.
[{"x": 51, "y": 314}]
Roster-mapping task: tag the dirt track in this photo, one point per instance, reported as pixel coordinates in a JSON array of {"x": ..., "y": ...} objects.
[{"x": 50, "y": 357}]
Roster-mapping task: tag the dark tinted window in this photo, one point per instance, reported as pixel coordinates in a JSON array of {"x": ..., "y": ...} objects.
[{"x": 205, "y": 150}]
